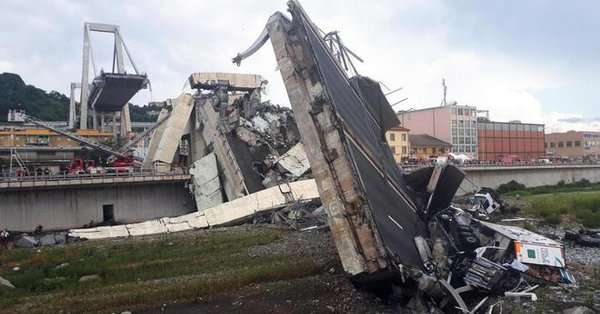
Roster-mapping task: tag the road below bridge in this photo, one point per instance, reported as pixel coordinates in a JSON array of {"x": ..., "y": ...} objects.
[{"x": 530, "y": 176}]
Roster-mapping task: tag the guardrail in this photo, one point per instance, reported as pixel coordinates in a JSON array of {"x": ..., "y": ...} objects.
[
  {"x": 82, "y": 177},
  {"x": 506, "y": 165}
]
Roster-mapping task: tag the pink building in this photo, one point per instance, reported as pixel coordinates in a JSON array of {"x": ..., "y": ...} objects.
[{"x": 455, "y": 124}]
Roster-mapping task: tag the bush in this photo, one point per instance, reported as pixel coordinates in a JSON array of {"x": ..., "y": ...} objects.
[
  {"x": 582, "y": 183},
  {"x": 510, "y": 187},
  {"x": 584, "y": 207},
  {"x": 552, "y": 219}
]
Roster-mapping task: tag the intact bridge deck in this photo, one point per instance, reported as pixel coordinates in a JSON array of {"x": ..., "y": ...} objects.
[{"x": 45, "y": 182}]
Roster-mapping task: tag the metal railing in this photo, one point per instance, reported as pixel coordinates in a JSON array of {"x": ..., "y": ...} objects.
[
  {"x": 523, "y": 164},
  {"x": 81, "y": 176}
]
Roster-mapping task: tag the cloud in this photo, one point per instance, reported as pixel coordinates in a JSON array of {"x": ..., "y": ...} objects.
[
  {"x": 579, "y": 120},
  {"x": 413, "y": 44}
]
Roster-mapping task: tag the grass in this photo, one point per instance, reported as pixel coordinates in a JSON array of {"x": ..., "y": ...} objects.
[
  {"x": 141, "y": 273},
  {"x": 583, "y": 207},
  {"x": 513, "y": 188}
]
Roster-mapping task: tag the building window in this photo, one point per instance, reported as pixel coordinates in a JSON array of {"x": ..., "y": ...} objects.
[
  {"x": 569, "y": 144},
  {"x": 577, "y": 143},
  {"x": 552, "y": 145},
  {"x": 460, "y": 112},
  {"x": 392, "y": 137},
  {"x": 561, "y": 144},
  {"x": 394, "y": 149},
  {"x": 433, "y": 150},
  {"x": 404, "y": 150},
  {"x": 546, "y": 145},
  {"x": 404, "y": 137}
]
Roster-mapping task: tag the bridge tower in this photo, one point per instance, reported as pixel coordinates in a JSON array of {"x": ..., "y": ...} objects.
[{"x": 108, "y": 95}]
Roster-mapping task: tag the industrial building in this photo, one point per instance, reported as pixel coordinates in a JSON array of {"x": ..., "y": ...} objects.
[
  {"x": 397, "y": 139},
  {"x": 425, "y": 146},
  {"x": 41, "y": 148},
  {"x": 573, "y": 144},
  {"x": 455, "y": 124},
  {"x": 509, "y": 141}
]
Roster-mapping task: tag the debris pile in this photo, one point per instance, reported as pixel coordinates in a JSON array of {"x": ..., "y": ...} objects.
[
  {"x": 259, "y": 134},
  {"x": 300, "y": 216},
  {"x": 584, "y": 237},
  {"x": 10, "y": 240}
]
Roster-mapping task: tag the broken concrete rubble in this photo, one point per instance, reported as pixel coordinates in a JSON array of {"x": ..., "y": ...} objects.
[
  {"x": 295, "y": 161},
  {"x": 246, "y": 135},
  {"x": 5, "y": 283},
  {"x": 584, "y": 237},
  {"x": 206, "y": 185},
  {"x": 26, "y": 241}
]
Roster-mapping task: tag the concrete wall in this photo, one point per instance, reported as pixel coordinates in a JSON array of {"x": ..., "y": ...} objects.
[
  {"x": 65, "y": 208},
  {"x": 434, "y": 122},
  {"x": 530, "y": 176}
]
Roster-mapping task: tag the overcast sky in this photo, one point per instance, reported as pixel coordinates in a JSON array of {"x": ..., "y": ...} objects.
[{"x": 534, "y": 61}]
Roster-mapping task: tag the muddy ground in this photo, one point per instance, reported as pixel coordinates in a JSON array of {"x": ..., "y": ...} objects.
[{"x": 332, "y": 292}]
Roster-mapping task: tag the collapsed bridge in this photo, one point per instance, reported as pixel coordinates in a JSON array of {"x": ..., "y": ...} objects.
[{"x": 393, "y": 231}]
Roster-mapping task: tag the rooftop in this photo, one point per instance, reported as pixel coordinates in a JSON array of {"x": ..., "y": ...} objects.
[
  {"x": 422, "y": 140},
  {"x": 435, "y": 108},
  {"x": 399, "y": 128}
]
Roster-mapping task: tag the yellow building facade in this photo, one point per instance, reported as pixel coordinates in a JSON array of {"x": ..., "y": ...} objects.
[
  {"x": 424, "y": 147},
  {"x": 21, "y": 137},
  {"x": 398, "y": 140}
]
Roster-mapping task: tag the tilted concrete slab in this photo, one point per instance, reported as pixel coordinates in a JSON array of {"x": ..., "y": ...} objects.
[
  {"x": 295, "y": 161},
  {"x": 233, "y": 180},
  {"x": 275, "y": 197},
  {"x": 207, "y": 186},
  {"x": 155, "y": 140},
  {"x": 174, "y": 128},
  {"x": 225, "y": 214},
  {"x": 101, "y": 232}
]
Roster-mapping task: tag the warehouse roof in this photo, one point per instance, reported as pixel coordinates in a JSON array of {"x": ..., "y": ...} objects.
[{"x": 422, "y": 140}]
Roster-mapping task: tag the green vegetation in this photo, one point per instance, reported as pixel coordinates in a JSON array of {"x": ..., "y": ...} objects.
[
  {"x": 583, "y": 207},
  {"x": 514, "y": 188},
  {"x": 143, "y": 272},
  {"x": 511, "y": 186},
  {"x": 578, "y": 201},
  {"x": 14, "y": 93}
]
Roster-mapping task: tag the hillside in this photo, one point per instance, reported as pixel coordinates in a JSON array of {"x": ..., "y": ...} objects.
[
  {"x": 14, "y": 93},
  {"x": 49, "y": 106}
]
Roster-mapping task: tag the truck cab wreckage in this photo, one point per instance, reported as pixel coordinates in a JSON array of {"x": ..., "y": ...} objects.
[{"x": 394, "y": 232}]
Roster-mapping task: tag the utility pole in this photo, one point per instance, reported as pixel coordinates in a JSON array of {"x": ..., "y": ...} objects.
[{"x": 445, "y": 90}]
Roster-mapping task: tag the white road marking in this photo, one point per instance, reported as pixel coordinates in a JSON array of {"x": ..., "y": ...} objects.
[{"x": 395, "y": 222}]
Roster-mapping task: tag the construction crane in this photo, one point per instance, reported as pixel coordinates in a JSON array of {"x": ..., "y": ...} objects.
[
  {"x": 14, "y": 155},
  {"x": 79, "y": 139}
]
